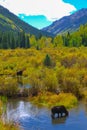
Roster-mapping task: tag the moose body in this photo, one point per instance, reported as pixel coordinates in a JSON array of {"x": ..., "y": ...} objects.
[
  {"x": 59, "y": 110},
  {"x": 19, "y": 76},
  {"x": 19, "y": 73}
]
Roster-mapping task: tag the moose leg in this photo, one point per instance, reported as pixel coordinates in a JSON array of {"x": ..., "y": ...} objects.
[
  {"x": 53, "y": 115},
  {"x": 61, "y": 114},
  {"x": 58, "y": 115}
]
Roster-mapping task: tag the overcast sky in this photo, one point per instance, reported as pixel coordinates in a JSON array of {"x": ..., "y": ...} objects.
[{"x": 41, "y": 13}]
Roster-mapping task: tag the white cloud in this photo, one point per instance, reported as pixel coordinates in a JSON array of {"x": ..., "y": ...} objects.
[{"x": 52, "y": 9}]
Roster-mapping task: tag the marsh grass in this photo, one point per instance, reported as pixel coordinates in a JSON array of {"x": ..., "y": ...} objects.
[
  {"x": 68, "y": 70},
  {"x": 4, "y": 125},
  {"x": 84, "y": 92},
  {"x": 9, "y": 126},
  {"x": 49, "y": 99}
]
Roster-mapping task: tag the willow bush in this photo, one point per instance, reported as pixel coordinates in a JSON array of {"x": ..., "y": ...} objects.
[{"x": 68, "y": 74}]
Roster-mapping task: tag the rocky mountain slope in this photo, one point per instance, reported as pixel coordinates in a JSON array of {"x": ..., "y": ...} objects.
[{"x": 68, "y": 23}]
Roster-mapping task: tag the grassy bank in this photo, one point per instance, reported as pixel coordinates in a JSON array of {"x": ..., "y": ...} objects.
[
  {"x": 3, "y": 125},
  {"x": 7, "y": 126},
  {"x": 50, "y": 99}
]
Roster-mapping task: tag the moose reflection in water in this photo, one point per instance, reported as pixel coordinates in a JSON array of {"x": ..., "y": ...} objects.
[
  {"x": 59, "y": 120},
  {"x": 60, "y": 111}
]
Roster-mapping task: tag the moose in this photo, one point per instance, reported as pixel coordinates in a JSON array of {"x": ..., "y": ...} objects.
[
  {"x": 20, "y": 72},
  {"x": 59, "y": 110}
]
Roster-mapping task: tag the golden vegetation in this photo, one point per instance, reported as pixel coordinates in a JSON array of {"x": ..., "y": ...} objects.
[
  {"x": 48, "y": 69},
  {"x": 7, "y": 126},
  {"x": 50, "y": 99},
  {"x": 3, "y": 125}
]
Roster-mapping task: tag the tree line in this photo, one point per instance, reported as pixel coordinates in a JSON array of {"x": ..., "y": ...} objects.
[
  {"x": 68, "y": 39},
  {"x": 11, "y": 40},
  {"x": 75, "y": 39},
  {"x": 22, "y": 40}
]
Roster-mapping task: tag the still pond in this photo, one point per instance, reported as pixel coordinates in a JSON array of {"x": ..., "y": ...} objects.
[{"x": 31, "y": 117}]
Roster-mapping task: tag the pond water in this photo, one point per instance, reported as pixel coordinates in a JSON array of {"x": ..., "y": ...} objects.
[{"x": 32, "y": 117}]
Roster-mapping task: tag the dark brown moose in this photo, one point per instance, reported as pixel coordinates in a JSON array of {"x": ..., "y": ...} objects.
[
  {"x": 20, "y": 72},
  {"x": 59, "y": 110},
  {"x": 19, "y": 75}
]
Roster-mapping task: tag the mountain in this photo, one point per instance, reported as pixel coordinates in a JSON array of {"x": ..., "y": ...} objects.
[
  {"x": 10, "y": 22},
  {"x": 68, "y": 23}
]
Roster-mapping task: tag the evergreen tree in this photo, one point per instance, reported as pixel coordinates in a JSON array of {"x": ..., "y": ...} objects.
[
  {"x": 9, "y": 38},
  {"x": 22, "y": 39},
  {"x": 27, "y": 42},
  {"x": 13, "y": 45},
  {"x": 18, "y": 40},
  {"x": 5, "y": 44},
  {"x": 47, "y": 60},
  {"x": 37, "y": 47},
  {"x": 0, "y": 37}
]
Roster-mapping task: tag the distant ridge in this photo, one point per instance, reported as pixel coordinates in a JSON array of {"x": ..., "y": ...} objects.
[
  {"x": 68, "y": 23},
  {"x": 10, "y": 22}
]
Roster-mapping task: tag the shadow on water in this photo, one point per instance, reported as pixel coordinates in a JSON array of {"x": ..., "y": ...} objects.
[{"x": 32, "y": 117}]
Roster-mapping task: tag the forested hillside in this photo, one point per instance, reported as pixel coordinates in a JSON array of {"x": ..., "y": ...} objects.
[{"x": 10, "y": 22}]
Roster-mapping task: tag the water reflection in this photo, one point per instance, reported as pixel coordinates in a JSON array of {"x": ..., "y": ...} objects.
[
  {"x": 20, "y": 80},
  {"x": 20, "y": 109},
  {"x": 61, "y": 120},
  {"x": 85, "y": 108},
  {"x": 31, "y": 117}
]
